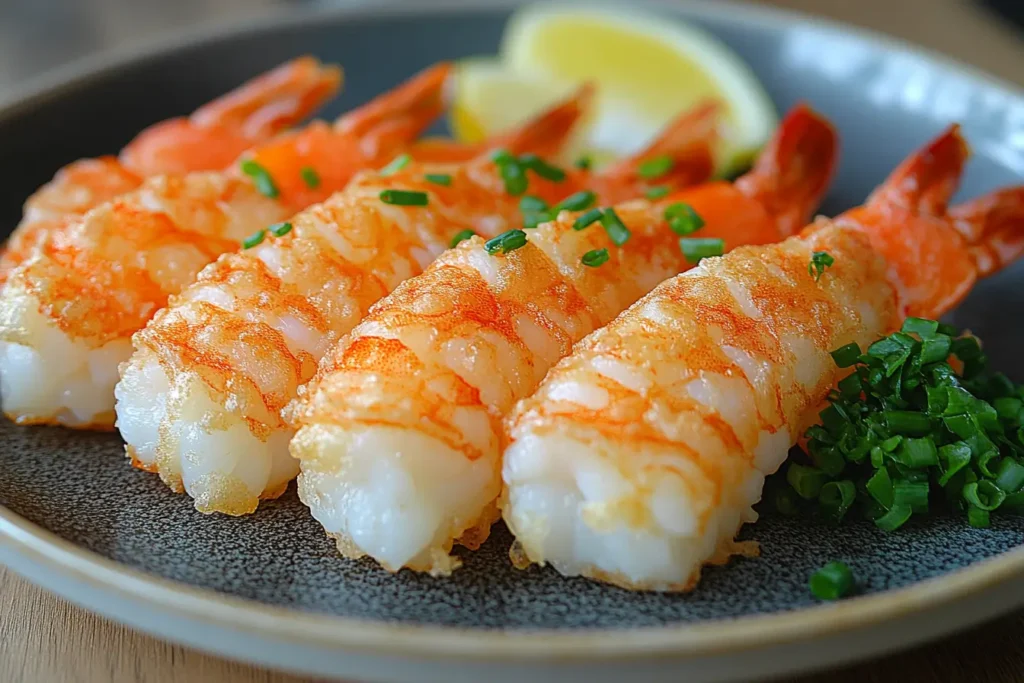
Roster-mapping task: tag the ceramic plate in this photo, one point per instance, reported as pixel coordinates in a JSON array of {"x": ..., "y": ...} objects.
[{"x": 269, "y": 587}]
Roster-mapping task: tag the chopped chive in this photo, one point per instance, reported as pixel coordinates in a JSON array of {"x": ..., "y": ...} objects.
[
  {"x": 254, "y": 239},
  {"x": 514, "y": 178},
  {"x": 832, "y": 582},
  {"x": 1010, "y": 475},
  {"x": 682, "y": 218},
  {"x": 438, "y": 178},
  {"x": 280, "y": 229},
  {"x": 656, "y": 167},
  {"x": 806, "y": 481},
  {"x": 697, "y": 248},
  {"x": 395, "y": 165},
  {"x": 502, "y": 156},
  {"x": 575, "y": 202},
  {"x": 532, "y": 219},
  {"x": 583, "y": 163},
  {"x": 846, "y": 356},
  {"x": 913, "y": 494},
  {"x": 587, "y": 219},
  {"x": 907, "y": 423},
  {"x": 461, "y": 236},
  {"x": 935, "y": 349},
  {"x": 984, "y": 495},
  {"x": 404, "y": 197},
  {"x": 595, "y": 258},
  {"x": 836, "y": 497},
  {"x": 920, "y": 326},
  {"x": 953, "y": 458},
  {"x": 531, "y": 203},
  {"x": 617, "y": 231},
  {"x": 978, "y": 518},
  {"x": 506, "y": 242},
  {"x": 880, "y": 487},
  {"x": 656, "y": 192},
  {"x": 820, "y": 260},
  {"x": 542, "y": 168},
  {"x": 261, "y": 177},
  {"x": 896, "y": 517},
  {"x": 310, "y": 177},
  {"x": 917, "y": 453}
]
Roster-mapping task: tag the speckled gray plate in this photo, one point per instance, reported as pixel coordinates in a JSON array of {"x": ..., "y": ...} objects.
[{"x": 269, "y": 587}]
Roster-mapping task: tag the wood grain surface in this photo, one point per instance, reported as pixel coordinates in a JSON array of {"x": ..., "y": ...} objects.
[{"x": 44, "y": 639}]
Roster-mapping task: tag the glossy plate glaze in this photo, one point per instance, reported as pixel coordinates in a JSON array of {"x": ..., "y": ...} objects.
[{"x": 269, "y": 588}]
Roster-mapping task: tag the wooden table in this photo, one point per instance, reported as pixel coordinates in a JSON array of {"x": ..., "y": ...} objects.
[{"x": 44, "y": 639}]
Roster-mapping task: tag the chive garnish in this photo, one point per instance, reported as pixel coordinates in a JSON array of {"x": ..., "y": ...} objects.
[
  {"x": 542, "y": 168},
  {"x": 575, "y": 202},
  {"x": 682, "y": 218},
  {"x": 831, "y": 582},
  {"x": 906, "y": 433},
  {"x": 280, "y": 229},
  {"x": 531, "y": 203},
  {"x": 583, "y": 163},
  {"x": 395, "y": 165},
  {"x": 820, "y": 260},
  {"x": 261, "y": 177},
  {"x": 513, "y": 170},
  {"x": 587, "y": 219},
  {"x": 404, "y": 197},
  {"x": 254, "y": 239},
  {"x": 438, "y": 178},
  {"x": 617, "y": 231},
  {"x": 595, "y": 258},
  {"x": 461, "y": 236},
  {"x": 514, "y": 176},
  {"x": 506, "y": 242},
  {"x": 310, "y": 177},
  {"x": 656, "y": 167},
  {"x": 656, "y": 192},
  {"x": 697, "y": 248}
]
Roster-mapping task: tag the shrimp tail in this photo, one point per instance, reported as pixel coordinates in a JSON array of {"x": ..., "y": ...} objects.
[
  {"x": 546, "y": 133},
  {"x": 421, "y": 99},
  {"x": 217, "y": 133},
  {"x": 277, "y": 99},
  {"x": 794, "y": 170},
  {"x": 926, "y": 180},
  {"x": 993, "y": 226},
  {"x": 689, "y": 140},
  {"x": 936, "y": 254}
]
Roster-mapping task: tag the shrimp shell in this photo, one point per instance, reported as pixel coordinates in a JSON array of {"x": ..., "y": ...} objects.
[
  {"x": 399, "y": 437},
  {"x": 214, "y": 136},
  {"x": 656, "y": 434},
  {"x": 69, "y": 311},
  {"x": 290, "y": 299}
]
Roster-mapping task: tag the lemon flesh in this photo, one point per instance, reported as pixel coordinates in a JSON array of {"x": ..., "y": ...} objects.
[{"x": 647, "y": 70}]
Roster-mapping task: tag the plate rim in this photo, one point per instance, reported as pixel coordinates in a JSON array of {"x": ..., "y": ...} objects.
[{"x": 689, "y": 639}]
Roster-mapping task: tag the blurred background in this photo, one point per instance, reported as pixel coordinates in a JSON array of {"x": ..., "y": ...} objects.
[{"x": 37, "y": 35}]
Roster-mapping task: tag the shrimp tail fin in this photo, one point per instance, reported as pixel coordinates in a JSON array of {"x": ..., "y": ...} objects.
[
  {"x": 397, "y": 117},
  {"x": 218, "y": 132},
  {"x": 548, "y": 132},
  {"x": 689, "y": 140},
  {"x": 935, "y": 253},
  {"x": 275, "y": 100},
  {"x": 794, "y": 170},
  {"x": 993, "y": 226},
  {"x": 926, "y": 180}
]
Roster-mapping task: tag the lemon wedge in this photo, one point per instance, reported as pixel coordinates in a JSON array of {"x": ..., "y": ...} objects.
[
  {"x": 491, "y": 99},
  {"x": 648, "y": 69}
]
